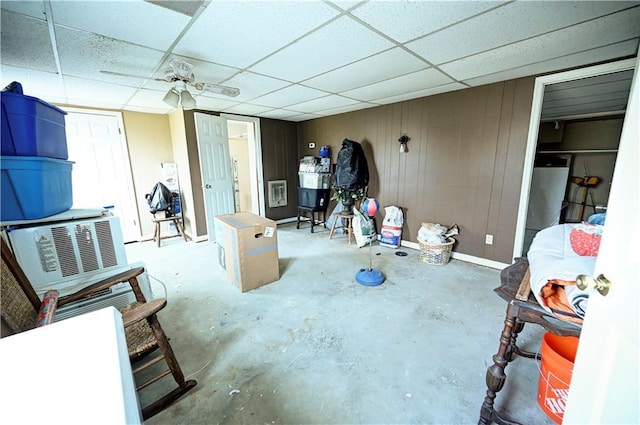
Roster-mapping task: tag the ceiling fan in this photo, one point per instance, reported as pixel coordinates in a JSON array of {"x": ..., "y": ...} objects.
[{"x": 181, "y": 74}]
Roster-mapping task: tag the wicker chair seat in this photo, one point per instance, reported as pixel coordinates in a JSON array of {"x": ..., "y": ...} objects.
[{"x": 140, "y": 338}]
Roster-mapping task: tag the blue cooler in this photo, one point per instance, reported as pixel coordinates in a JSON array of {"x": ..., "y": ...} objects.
[
  {"x": 31, "y": 127},
  {"x": 34, "y": 187}
]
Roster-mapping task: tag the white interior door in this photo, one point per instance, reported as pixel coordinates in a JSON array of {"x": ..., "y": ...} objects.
[
  {"x": 215, "y": 166},
  {"x": 101, "y": 174},
  {"x": 606, "y": 376}
]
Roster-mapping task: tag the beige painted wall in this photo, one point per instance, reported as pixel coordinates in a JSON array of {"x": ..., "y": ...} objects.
[
  {"x": 239, "y": 151},
  {"x": 181, "y": 158},
  {"x": 149, "y": 143}
]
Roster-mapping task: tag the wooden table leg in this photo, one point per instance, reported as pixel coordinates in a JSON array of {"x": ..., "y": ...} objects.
[{"x": 496, "y": 376}]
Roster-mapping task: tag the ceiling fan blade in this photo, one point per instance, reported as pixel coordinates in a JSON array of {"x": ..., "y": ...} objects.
[
  {"x": 120, "y": 74},
  {"x": 218, "y": 89}
]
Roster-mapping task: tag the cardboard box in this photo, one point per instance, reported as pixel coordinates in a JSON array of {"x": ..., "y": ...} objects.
[{"x": 247, "y": 249}]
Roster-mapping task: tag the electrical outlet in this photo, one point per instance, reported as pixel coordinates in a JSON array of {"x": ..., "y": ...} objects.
[
  {"x": 312, "y": 145},
  {"x": 488, "y": 239}
]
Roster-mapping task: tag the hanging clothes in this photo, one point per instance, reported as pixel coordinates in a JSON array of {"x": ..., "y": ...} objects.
[{"x": 352, "y": 171}]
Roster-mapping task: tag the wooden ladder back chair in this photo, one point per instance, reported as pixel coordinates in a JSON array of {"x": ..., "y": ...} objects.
[{"x": 147, "y": 343}]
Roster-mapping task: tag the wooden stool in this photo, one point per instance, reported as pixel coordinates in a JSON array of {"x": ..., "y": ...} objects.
[
  {"x": 177, "y": 221},
  {"x": 347, "y": 226}
]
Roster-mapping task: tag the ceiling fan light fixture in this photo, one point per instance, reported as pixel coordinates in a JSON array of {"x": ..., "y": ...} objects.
[
  {"x": 172, "y": 98},
  {"x": 188, "y": 102},
  {"x": 182, "y": 69}
]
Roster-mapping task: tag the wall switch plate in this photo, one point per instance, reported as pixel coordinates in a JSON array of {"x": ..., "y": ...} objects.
[
  {"x": 312, "y": 145},
  {"x": 488, "y": 239}
]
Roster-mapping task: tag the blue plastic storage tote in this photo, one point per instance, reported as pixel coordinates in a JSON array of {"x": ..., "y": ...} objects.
[
  {"x": 34, "y": 187},
  {"x": 31, "y": 127}
]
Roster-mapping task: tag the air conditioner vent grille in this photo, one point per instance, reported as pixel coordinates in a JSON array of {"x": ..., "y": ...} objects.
[
  {"x": 105, "y": 244},
  {"x": 64, "y": 248},
  {"x": 88, "y": 256}
]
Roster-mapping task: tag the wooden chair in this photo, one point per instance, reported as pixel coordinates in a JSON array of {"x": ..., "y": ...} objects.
[
  {"x": 146, "y": 340},
  {"x": 161, "y": 217}
]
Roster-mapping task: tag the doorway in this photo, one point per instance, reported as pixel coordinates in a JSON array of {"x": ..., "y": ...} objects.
[
  {"x": 231, "y": 165},
  {"x": 535, "y": 128},
  {"x": 101, "y": 174},
  {"x": 245, "y": 147}
]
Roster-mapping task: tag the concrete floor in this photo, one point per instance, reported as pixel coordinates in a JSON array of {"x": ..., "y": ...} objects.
[{"x": 316, "y": 347}]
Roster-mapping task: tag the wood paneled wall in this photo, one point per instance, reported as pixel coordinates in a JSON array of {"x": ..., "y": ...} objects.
[
  {"x": 463, "y": 165},
  {"x": 280, "y": 162}
]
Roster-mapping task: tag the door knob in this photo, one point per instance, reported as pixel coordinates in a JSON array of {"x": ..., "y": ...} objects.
[
  {"x": 600, "y": 283},
  {"x": 207, "y": 186}
]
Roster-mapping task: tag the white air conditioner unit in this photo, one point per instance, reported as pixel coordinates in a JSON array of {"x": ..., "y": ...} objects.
[
  {"x": 68, "y": 256},
  {"x": 117, "y": 296},
  {"x": 62, "y": 255}
]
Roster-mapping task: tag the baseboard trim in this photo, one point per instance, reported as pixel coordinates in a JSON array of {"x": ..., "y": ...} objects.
[
  {"x": 464, "y": 257},
  {"x": 286, "y": 220}
]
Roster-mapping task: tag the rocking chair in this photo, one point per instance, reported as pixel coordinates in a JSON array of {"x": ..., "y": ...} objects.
[{"x": 21, "y": 304}]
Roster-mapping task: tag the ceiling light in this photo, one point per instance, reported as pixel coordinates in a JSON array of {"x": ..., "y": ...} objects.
[
  {"x": 188, "y": 102},
  {"x": 172, "y": 98}
]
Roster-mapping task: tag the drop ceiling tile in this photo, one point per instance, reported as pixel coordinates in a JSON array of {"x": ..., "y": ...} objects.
[
  {"x": 253, "y": 85},
  {"x": 43, "y": 85},
  {"x": 25, "y": 43},
  {"x": 34, "y": 9},
  {"x": 421, "y": 93},
  {"x": 247, "y": 109},
  {"x": 85, "y": 54},
  {"x": 148, "y": 98},
  {"x": 289, "y": 96},
  {"x": 341, "y": 42},
  {"x": 504, "y": 25},
  {"x": 136, "y": 22},
  {"x": 214, "y": 104},
  {"x": 600, "y": 54},
  {"x": 589, "y": 35},
  {"x": 343, "y": 109},
  {"x": 388, "y": 64},
  {"x": 327, "y": 102},
  {"x": 239, "y": 33},
  {"x": 405, "y": 84},
  {"x": 406, "y": 20},
  {"x": 303, "y": 117},
  {"x": 344, "y": 5},
  {"x": 97, "y": 93},
  {"x": 279, "y": 114}
]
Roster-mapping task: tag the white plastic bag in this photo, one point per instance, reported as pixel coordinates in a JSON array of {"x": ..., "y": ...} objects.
[
  {"x": 435, "y": 233},
  {"x": 363, "y": 228},
  {"x": 391, "y": 233}
]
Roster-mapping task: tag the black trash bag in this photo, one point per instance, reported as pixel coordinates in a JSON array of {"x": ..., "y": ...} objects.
[
  {"x": 159, "y": 199},
  {"x": 13, "y": 87},
  {"x": 352, "y": 171}
]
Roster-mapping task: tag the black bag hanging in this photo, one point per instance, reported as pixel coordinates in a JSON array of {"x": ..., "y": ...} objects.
[
  {"x": 159, "y": 199},
  {"x": 352, "y": 171}
]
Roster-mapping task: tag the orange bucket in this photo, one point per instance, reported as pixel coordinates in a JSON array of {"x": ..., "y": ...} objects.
[{"x": 558, "y": 354}]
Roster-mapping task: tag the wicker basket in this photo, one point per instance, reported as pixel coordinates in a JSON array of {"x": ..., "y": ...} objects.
[{"x": 436, "y": 253}]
